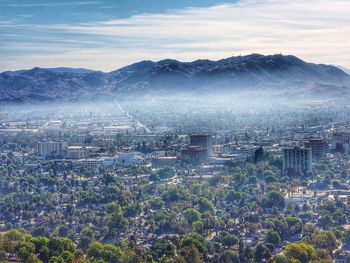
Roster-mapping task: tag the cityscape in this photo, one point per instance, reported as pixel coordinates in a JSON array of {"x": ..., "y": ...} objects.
[
  {"x": 247, "y": 188},
  {"x": 174, "y": 131}
]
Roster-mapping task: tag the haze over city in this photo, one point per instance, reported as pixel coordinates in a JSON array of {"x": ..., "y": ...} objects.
[{"x": 187, "y": 131}]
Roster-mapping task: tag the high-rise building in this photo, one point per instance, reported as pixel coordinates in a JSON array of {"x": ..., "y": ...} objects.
[
  {"x": 297, "y": 159},
  {"x": 204, "y": 141},
  {"x": 319, "y": 147},
  {"x": 50, "y": 149},
  {"x": 195, "y": 155}
]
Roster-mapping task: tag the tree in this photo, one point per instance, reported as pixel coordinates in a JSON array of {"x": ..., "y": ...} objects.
[
  {"x": 39, "y": 243},
  {"x": 63, "y": 231},
  {"x": 273, "y": 199},
  {"x": 191, "y": 254},
  {"x": 117, "y": 223},
  {"x": 25, "y": 250},
  {"x": 162, "y": 247},
  {"x": 59, "y": 245},
  {"x": 300, "y": 251},
  {"x": 106, "y": 252},
  {"x": 55, "y": 259},
  {"x": 198, "y": 226},
  {"x": 295, "y": 225},
  {"x": 192, "y": 215},
  {"x": 280, "y": 259},
  {"x": 325, "y": 240},
  {"x": 205, "y": 205},
  {"x": 195, "y": 240},
  {"x": 273, "y": 238},
  {"x": 166, "y": 173},
  {"x": 229, "y": 257},
  {"x": 262, "y": 252},
  {"x": 233, "y": 196},
  {"x": 228, "y": 239}
]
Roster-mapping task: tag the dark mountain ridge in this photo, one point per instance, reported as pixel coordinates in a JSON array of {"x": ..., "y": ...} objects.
[{"x": 274, "y": 73}]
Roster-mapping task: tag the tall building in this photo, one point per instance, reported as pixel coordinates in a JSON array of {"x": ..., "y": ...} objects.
[
  {"x": 318, "y": 146},
  {"x": 50, "y": 149},
  {"x": 195, "y": 155},
  {"x": 204, "y": 141},
  {"x": 297, "y": 159}
]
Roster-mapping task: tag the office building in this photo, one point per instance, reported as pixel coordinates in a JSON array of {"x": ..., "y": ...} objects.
[
  {"x": 318, "y": 146},
  {"x": 204, "y": 141},
  {"x": 76, "y": 152},
  {"x": 297, "y": 159},
  {"x": 50, "y": 149},
  {"x": 195, "y": 155}
]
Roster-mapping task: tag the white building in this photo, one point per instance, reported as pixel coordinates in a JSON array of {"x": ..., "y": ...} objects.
[
  {"x": 297, "y": 158},
  {"x": 127, "y": 158},
  {"x": 50, "y": 149},
  {"x": 97, "y": 162},
  {"x": 76, "y": 152}
]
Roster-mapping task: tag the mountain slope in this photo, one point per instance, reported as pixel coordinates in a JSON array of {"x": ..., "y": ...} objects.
[{"x": 276, "y": 73}]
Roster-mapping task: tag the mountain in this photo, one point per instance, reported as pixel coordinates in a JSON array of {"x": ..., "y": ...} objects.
[
  {"x": 346, "y": 70},
  {"x": 279, "y": 74}
]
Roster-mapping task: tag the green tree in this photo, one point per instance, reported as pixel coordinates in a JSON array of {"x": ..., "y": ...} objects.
[
  {"x": 300, "y": 251},
  {"x": 192, "y": 215},
  {"x": 273, "y": 238}
]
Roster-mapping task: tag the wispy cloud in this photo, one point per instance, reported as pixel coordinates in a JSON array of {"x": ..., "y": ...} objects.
[
  {"x": 316, "y": 30},
  {"x": 53, "y": 4}
]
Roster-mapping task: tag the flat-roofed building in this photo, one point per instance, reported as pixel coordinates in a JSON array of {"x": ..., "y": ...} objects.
[
  {"x": 195, "y": 155},
  {"x": 76, "y": 152},
  {"x": 204, "y": 141},
  {"x": 319, "y": 147},
  {"x": 297, "y": 159},
  {"x": 50, "y": 149},
  {"x": 164, "y": 161},
  {"x": 341, "y": 137}
]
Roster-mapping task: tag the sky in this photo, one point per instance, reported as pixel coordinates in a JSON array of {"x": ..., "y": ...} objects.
[{"x": 109, "y": 34}]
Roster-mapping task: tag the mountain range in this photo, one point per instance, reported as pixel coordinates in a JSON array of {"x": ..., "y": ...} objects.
[{"x": 273, "y": 74}]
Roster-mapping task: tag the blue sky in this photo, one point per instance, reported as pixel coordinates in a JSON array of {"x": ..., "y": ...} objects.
[{"x": 105, "y": 34}]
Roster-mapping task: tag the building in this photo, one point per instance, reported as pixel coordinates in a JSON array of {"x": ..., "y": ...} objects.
[
  {"x": 76, "y": 152},
  {"x": 341, "y": 137},
  {"x": 341, "y": 257},
  {"x": 341, "y": 141},
  {"x": 50, "y": 149},
  {"x": 164, "y": 161},
  {"x": 102, "y": 162},
  {"x": 218, "y": 149},
  {"x": 127, "y": 158},
  {"x": 204, "y": 141},
  {"x": 195, "y": 155},
  {"x": 297, "y": 159},
  {"x": 318, "y": 146},
  {"x": 102, "y": 142},
  {"x": 228, "y": 158},
  {"x": 247, "y": 150}
]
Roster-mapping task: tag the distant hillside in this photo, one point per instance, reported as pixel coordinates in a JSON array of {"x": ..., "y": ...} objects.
[{"x": 287, "y": 75}]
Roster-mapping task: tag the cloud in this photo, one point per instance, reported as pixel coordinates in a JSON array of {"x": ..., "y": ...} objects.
[
  {"x": 53, "y": 4},
  {"x": 315, "y": 30}
]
